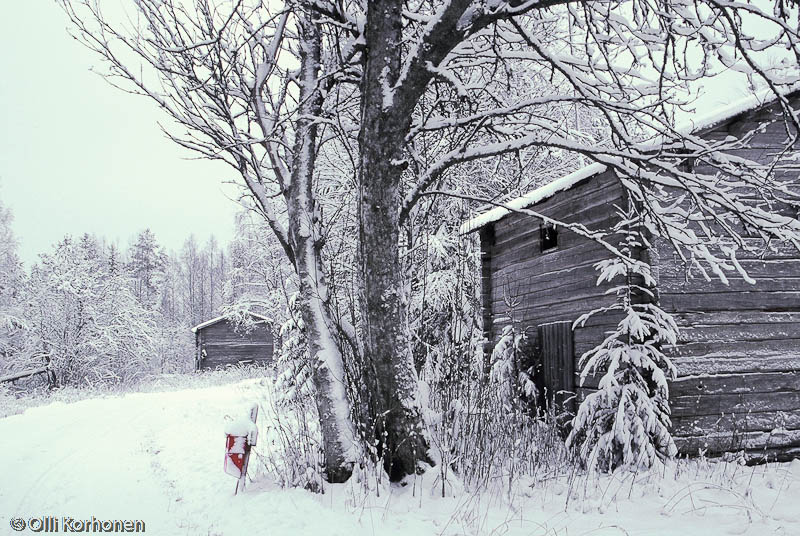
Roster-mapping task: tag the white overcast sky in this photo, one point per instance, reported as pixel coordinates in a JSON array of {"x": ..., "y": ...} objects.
[{"x": 77, "y": 155}]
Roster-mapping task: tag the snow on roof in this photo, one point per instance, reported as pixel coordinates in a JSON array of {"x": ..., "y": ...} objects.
[
  {"x": 221, "y": 318},
  {"x": 701, "y": 123},
  {"x": 531, "y": 198},
  {"x": 730, "y": 111}
]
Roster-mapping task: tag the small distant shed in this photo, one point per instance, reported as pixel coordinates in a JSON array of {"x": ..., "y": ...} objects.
[
  {"x": 221, "y": 341},
  {"x": 738, "y": 356}
]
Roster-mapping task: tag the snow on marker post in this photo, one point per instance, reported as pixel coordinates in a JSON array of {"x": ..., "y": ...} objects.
[{"x": 240, "y": 435}]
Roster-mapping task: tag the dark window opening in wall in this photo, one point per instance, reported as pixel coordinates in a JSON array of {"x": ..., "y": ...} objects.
[{"x": 549, "y": 236}]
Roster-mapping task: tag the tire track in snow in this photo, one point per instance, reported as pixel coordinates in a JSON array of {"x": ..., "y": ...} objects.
[
  {"x": 54, "y": 466},
  {"x": 79, "y": 455},
  {"x": 33, "y": 486},
  {"x": 92, "y": 464}
]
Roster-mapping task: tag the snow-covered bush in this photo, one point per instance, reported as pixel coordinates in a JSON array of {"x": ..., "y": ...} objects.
[
  {"x": 481, "y": 438},
  {"x": 625, "y": 423},
  {"x": 480, "y": 434},
  {"x": 508, "y": 373},
  {"x": 482, "y": 431},
  {"x": 290, "y": 451},
  {"x": 294, "y": 374},
  {"x": 15, "y": 330},
  {"x": 175, "y": 347}
]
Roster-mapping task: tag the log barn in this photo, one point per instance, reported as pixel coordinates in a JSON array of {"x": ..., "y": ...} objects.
[
  {"x": 738, "y": 354},
  {"x": 220, "y": 342}
]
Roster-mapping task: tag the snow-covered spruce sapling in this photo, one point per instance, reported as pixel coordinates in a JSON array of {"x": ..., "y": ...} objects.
[
  {"x": 294, "y": 368},
  {"x": 626, "y": 422}
]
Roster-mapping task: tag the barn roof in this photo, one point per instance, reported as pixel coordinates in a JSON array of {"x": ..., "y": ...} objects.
[
  {"x": 221, "y": 318},
  {"x": 697, "y": 124}
]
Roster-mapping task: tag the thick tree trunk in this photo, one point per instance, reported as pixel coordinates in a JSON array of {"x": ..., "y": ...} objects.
[
  {"x": 331, "y": 397},
  {"x": 382, "y": 297}
]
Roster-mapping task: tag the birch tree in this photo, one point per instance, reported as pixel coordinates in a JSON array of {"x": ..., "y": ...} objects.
[{"x": 396, "y": 95}]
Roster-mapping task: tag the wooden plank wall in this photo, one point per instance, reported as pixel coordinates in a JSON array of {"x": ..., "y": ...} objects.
[
  {"x": 738, "y": 355},
  {"x": 528, "y": 287},
  {"x": 223, "y": 345}
]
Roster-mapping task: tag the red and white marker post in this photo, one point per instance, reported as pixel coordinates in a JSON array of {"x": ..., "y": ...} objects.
[{"x": 240, "y": 436}]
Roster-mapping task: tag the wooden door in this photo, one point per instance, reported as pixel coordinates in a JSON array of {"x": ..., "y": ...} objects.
[{"x": 558, "y": 364}]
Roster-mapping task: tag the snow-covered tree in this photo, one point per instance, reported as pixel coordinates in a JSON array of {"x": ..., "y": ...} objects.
[
  {"x": 146, "y": 263},
  {"x": 9, "y": 262},
  {"x": 200, "y": 277},
  {"x": 13, "y": 326},
  {"x": 626, "y": 423},
  {"x": 86, "y": 319},
  {"x": 507, "y": 374},
  {"x": 403, "y": 94},
  {"x": 258, "y": 280}
]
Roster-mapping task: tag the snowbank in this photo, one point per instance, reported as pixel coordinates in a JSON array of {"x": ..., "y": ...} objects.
[{"x": 158, "y": 457}]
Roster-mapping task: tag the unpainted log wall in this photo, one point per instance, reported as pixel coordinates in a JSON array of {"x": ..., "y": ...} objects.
[
  {"x": 526, "y": 287},
  {"x": 738, "y": 356},
  {"x": 224, "y": 345}
]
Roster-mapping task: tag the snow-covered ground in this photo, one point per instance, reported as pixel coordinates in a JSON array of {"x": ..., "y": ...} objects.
[{"x": 158, "y": 457}]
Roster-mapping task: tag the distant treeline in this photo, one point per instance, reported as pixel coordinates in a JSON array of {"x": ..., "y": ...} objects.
[{"x": 104, "y": 314}]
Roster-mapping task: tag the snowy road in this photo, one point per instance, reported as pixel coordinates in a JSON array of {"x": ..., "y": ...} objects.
[
  {"x": 157, "y": 457},
  {"x": 81, "y": 460},
  {"x": 132, "y": 457}
]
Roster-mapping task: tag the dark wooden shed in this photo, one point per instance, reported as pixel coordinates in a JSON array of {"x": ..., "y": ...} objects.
[
  {"x": 738, "y": 356},
  {"x": 220, "y": 342}
]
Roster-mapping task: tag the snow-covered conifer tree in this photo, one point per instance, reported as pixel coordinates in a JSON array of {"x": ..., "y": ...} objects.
[
  {"x": 146, "y": 263},
  {"x": 625, "y": 423}
]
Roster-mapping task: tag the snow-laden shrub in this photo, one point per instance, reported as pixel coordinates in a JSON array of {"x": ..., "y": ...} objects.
[
  {"x": 18, "y": 349},
  {"x": 290, "y": 443},
  {"x": 480, "y": 433},
  {"x": 507, "y": 373},
  {"x": 175, "y": 347},
  {"x": 626, "y": 423}
]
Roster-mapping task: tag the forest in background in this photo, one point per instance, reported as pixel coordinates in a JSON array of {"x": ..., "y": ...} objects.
[
  {"x": 104, "y": 313},
  {"x": 108, "y": 314}
]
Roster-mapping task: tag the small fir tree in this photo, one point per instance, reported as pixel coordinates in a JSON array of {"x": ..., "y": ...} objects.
[{"x": 626, "y": 422}]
